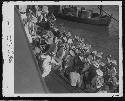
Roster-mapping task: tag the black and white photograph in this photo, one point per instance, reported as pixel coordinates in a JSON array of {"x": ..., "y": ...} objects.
[{"x": 64, "y": 48}]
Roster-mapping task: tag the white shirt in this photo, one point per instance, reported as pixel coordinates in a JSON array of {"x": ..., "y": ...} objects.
[
  {"x": 75, "y": 78},
  {"x": 46, "y": 65}
]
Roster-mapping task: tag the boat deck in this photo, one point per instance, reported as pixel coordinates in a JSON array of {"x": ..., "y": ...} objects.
[{"x": 27, "y": 77}]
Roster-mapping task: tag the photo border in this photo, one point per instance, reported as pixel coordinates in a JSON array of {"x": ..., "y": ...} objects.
[{"x": 8, "y": 30}]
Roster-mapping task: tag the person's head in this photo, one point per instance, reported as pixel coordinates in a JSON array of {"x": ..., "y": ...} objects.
[{"x": 45, "y": 9}]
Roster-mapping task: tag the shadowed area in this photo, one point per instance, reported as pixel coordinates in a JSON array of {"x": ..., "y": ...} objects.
[{"x": 26, "y": 78}]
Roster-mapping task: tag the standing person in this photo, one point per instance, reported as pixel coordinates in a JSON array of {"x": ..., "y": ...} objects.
[
  {"x": 38, "y": 13},
  {"x": 37, "y": 9},
  {"x": 78, "y": 11}
]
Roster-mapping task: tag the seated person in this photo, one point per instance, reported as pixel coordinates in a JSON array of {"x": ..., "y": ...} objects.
[
  {"x": 74, "y": 78},
  {"x": 90, "y": 76},
  {"x": 78, "y": 63},
  {"x": 44, "y": 24},
  {"x": 46, "y": 64},
  {"x": 56, "y": 33}
]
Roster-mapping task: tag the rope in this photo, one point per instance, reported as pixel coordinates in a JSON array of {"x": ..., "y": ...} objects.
[{"x": 109, "y": 15}]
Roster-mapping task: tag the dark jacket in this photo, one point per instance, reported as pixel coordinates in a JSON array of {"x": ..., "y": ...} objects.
[{"x": 78, "y": 64}]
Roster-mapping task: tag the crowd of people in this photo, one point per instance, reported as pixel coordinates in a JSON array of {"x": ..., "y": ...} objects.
[{"x": 57, "y": 49}]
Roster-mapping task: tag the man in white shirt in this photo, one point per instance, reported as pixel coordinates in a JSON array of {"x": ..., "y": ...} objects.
[
  {"x": 74, "y": 78},
  {"x": 46, "y": 65}
]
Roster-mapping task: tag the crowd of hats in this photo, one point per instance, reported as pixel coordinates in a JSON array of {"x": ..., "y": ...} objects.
[{"x": 76, "y": 46}]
